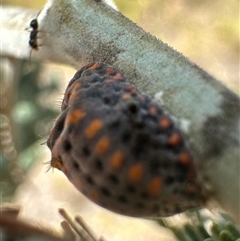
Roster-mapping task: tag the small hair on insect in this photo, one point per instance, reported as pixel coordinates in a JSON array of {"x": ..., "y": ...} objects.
[
  {"x": 49, "y": 167},
  {"x": 43, "y": 143}
]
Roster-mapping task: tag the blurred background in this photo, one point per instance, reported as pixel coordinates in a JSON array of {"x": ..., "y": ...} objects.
[{"x": 207, "y": 32}]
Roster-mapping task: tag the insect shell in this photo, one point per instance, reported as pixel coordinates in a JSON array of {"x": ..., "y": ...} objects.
[{"x": 120, "y": 149}]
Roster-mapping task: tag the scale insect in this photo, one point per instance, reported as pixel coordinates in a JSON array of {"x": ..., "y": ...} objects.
[{"x": 120, "y": 149}]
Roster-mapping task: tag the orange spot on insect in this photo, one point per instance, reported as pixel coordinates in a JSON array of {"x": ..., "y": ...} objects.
[
  {"x": 74, "y": 87},
  {"x": 175, "y": 139},
  {"x": 186, "y": 160},
  {"x": 131, "y": 89},
  {"x": 56, "y": 162},
  {"x": 116, "y": 160},
  {"x": 110, "y": 71},
  {"x": 184, "y": 157},
  {"x": 102, "y": 145},
  {"x": 73, "y": 91},
  {"x": 72, "y": 96},
  {"x": 93, "y": 128},
  {"x": 154, "y": 186},
  {"x": 135, "y": 172},
  {"x": 164, "y": 122},
  {"x": 77, "y": 86},
  {"x": 152, "y": 110},
  {"x": 126, "y": 96},
  {"x": 95, "y": 66},
  {"x": 75, "y": 116},
  {"x": 118, "y": 76}
]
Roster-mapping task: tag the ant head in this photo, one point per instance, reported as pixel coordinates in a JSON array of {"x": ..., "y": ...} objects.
[{"x": 34, "y": 24}]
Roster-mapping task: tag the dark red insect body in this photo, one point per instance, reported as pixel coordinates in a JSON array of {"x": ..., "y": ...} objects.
[{"x": 120, "y": 149}]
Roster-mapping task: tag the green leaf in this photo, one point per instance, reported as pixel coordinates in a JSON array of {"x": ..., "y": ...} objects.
[
  {"x": 225, "y": 235},
  {"x": 233, "y": 229},
  {"x": 192, "y": 233}
]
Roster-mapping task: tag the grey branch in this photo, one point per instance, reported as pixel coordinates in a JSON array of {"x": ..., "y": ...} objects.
[{"x": 76, "y": 32}]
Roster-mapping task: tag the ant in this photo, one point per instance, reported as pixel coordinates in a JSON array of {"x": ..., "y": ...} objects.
[
  {"x": 33, "y": 27},
  {"x": 33, "y": 34}
]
